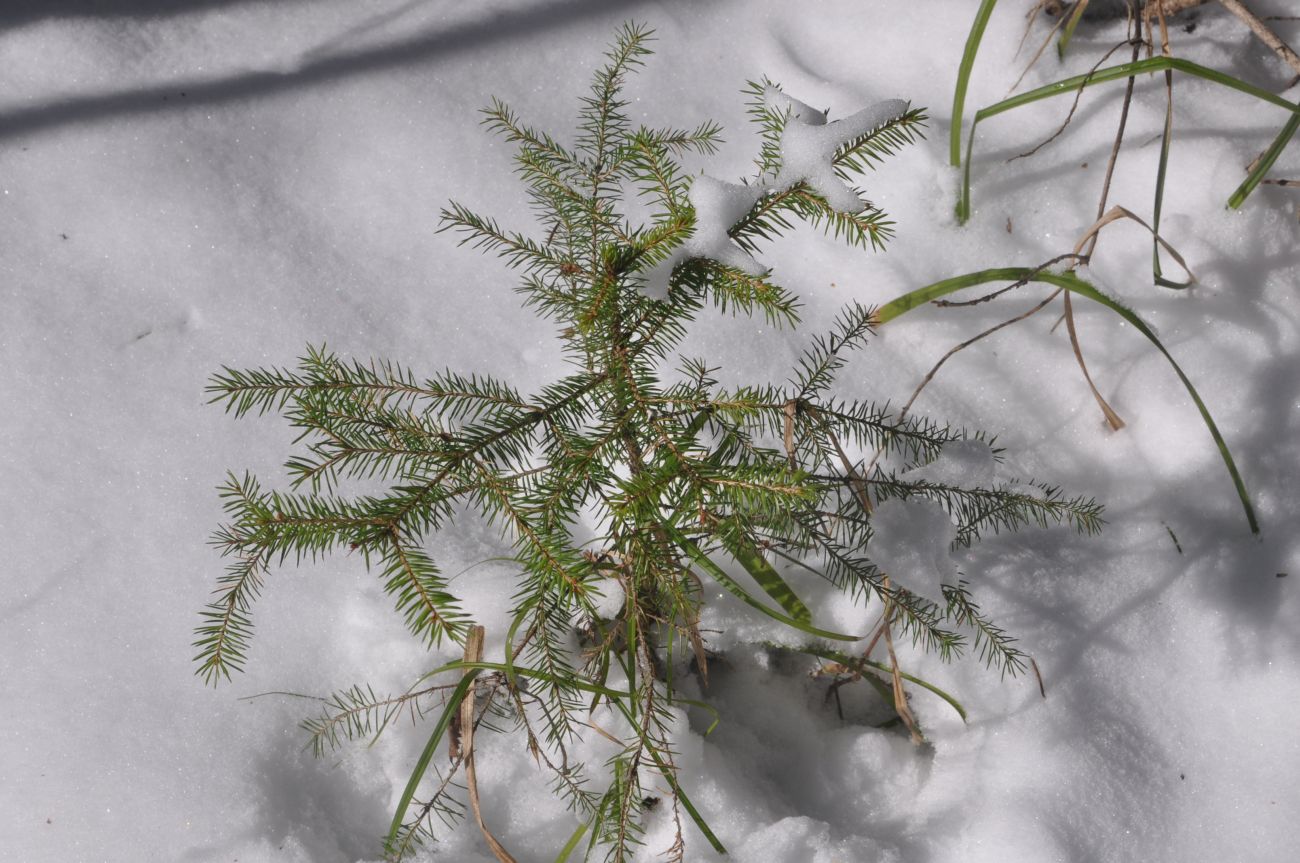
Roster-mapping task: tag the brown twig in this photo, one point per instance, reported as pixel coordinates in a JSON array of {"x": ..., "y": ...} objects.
[
  {"x": 1078, "y": 95},
  {"x": 952, "y": 304},
  {"x": 1042, "y": 690},
  {"x": 972, "y": 340},
  {"x": 1262, "y": 31}
]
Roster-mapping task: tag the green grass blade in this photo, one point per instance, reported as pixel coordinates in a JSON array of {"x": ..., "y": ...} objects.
[
  {"x": 963, "y": 197},
  {"x": 765, "y": 574},
  {"x": 1073, "y": 283},
  {"x": 687, "y": 545},
  {"x": 1075, "y": 15},
  {"x": 1162, "y": 169},
  {"x": 1265, "y": 162},
  {"x": 571, "y": 844},
  {"x": 510, "y": 642},
  {"x": 963, "y": 78},
  {"x": 1102, "y": 76},
  {"x": 1128, "y": 70},
  {"x": 717, "y": 716},
  {"x": 856, "y": 663},
  {"x": 444, "y": 720},
  {"x": 667, "y": 772}
]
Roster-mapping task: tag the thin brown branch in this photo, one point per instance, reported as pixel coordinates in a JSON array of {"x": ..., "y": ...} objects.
[
  {"x": 1074, "y": 106},
  {"x": 1262, "y": 31}
]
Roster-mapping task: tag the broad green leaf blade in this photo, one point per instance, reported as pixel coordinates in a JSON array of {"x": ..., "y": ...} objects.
[
  {"x": 765, "y": 574},
  {"x": 1265, "y": 162},
  {"x": 693, "y": 551},
  {"x": 963, "y": 78},
  {"x": 1071, "y": 282}
]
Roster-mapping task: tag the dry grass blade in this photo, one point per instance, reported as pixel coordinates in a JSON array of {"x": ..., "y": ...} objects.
[
  {"x": 1116, "y": 213},
  {"x": 1060, "y": 22},
  {"x": 474, "y": 653},
  {"x": 900, "y": 695},
  {"x": 1112, "y": 418},
  {"x": 1090, "y": 236}
]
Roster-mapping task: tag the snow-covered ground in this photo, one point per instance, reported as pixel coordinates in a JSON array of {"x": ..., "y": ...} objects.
[{"x": 186, "y": 185}]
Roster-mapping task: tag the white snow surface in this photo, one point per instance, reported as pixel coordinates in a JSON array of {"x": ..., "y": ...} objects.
[
  {"x": 186, "y": 185},
  {"x": 911, "y": 544}
]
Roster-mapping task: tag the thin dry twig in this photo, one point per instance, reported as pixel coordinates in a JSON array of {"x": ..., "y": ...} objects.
[
  {"x": 952, "y": 304},
  {"x": 1060, "y": 22},
  {"x": 1135, "y": 34},
  {"x": 972, "y": 340},
  {"x": 1262, "y": 31},
  {"x": 1074, "y": 106},
  {"x": 1042, "y": 690}
]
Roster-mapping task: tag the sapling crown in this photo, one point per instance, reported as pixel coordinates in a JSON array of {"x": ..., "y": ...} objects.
[{"x": 636, "y": 476}]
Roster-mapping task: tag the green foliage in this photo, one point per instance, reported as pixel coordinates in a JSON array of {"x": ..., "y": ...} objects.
[{"x": 683, "y": 481}]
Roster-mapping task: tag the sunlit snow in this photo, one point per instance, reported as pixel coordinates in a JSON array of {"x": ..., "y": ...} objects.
[{"x": 192, "y": 184}]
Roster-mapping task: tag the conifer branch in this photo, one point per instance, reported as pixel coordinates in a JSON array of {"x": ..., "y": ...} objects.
[{"x": 617, "y": 476}]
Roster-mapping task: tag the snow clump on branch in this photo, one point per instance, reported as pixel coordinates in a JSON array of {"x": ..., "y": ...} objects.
[{"x": 808, "y": 146}]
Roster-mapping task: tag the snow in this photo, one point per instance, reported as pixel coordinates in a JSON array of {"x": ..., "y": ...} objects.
[
  {"x": 718, "y": 206},
  {"x": 808, "y": 142},
  {"x": 187, "y": 185},
  {"x": 911, "y": 545}
]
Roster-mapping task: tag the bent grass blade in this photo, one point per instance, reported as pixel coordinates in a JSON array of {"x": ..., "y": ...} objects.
[{"x": 1070, "y": 282}]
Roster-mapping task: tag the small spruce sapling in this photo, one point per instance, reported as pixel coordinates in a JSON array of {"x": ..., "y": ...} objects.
[{"x": 684, "y": 482}]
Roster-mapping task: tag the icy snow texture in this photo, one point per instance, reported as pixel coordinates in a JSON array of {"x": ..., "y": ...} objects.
[
  {"x": 718, "y": 206},
  {"x": 911, "y": 545},
  {"x": 808, "y": 143},
  {"x": 611, "y": 599},
  {"x": 289, "y": 196}
]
